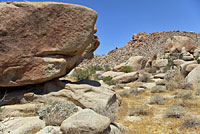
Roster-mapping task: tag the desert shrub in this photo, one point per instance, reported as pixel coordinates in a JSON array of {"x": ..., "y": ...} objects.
[
  {"x": 140, "y": 110},
  {"x": 107, "y": 68},
  {"x": 144, "y": 77},
  {"x": 184, "y": 94},
  {"x": 127, "y": 69},
  {"x": 170, "y": 73},
  {"x": 176, "y": 82},
  {"x": 175, "y": 111},
  {"x": 93, "y": 69},
  {"x": 157, "y": 99},
  {"x": 197, "y": 92},
  {"x": 191, "y": 121},
  {"x": 196, "y": 57},
  {"x": 108, "y": 80},
  {"x": 158, "y": 89},
  {"x": 82, "y": 74},
  {"x": 54, "y": 113},
  {"x": 125, "y": 93},
  {"x": 152, "y": 70}
]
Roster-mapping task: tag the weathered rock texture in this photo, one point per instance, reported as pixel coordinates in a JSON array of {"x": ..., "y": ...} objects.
[
  {"x": 147, "y": 45},
  {"x": 40, "y": 41}
]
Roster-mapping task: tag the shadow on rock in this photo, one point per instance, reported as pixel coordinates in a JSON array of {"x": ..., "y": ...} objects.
[{"x": 86, "y": 81}]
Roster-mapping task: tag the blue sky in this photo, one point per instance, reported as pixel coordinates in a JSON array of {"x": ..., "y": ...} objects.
[{"x": 118, "y": 20}]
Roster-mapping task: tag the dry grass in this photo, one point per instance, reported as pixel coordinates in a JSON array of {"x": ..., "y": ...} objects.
[{"x": 156, "y": 123}]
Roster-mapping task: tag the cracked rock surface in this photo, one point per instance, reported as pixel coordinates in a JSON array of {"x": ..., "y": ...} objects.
[{"x": 40, "y": 41}]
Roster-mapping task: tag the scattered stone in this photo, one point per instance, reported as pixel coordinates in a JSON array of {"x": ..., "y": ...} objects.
[{"x": 85, "y": 122}]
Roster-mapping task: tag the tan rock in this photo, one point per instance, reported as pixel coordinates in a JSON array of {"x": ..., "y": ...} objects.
[
  {"x": 184, "y": 66},
  {"x": 178, "y": 62},
  {"x": 188, "y": 58},
  {"x": 136, "y": 62},
  {"x": 190, "y": 67},
  {"x": 41, "y": 41},
  {"x": 160, "y": 63},
  {"x": 194, "y": 78},
  {"x": 85, "y": 122},
  {"x": 50, "y": 130},
  {"x": 101, "y": 99},
  {"x": 22, "y": 125},
  {"x": 20, "y": 110},
  {"x": 178, "y": 42},
  {"x": 112, "y": 74},
  {"x": 127, "y": 77}
]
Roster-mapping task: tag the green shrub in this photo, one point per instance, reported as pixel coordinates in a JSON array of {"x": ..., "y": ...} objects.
[
  {"x": 157, "y": 99},
  {"x": 127, "y": 69},
  {"x": 54, "y": 113},
  {"x": 152, "y": 70},
  {"x": 196, "y": 57},
  {"x": 175, "y": 111},
  {"x": 82, "y": 74},
  {"x": 176, "y": 82},
  {"x": 93, "y": 69},
  {"x": 108, "y": 80},
  {"x": 107, "y": 68}
]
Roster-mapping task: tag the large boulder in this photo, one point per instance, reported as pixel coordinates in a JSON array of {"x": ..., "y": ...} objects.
[
  {"x": 178, "y": 42},
  {"x": 40, "y": 41},
  {"x": 126, "y": 78},
  {"x": 136, "y": 62},
  {"x": 86, "y": 122},
  {"x": 100, "y": 99},
  {"x": 194, "y": 78}
]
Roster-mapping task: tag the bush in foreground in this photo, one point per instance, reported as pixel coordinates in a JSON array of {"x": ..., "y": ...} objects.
[
  {"x": 175, "y": 111},
  {"x": 127, "y": 69},
  {"x": 191, "y": 121},
  {"x": 108, "y": 80},
  {"x": 56, "y": 112},
  {"x": 157, "y": 99},
  {"x": 140, "y": 110}
]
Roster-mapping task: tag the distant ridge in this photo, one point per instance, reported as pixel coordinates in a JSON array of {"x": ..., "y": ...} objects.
[{"x": 143, "y": 44}]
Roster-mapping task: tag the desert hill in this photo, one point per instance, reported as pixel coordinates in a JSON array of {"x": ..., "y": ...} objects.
[{"x": 142, "y": 44}]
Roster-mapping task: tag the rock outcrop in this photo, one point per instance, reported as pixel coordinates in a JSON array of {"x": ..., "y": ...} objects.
[{"x": 40, "y": 41}]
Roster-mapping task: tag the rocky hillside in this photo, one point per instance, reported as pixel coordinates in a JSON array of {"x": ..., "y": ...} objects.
[{"x": 142, "y": 44}]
